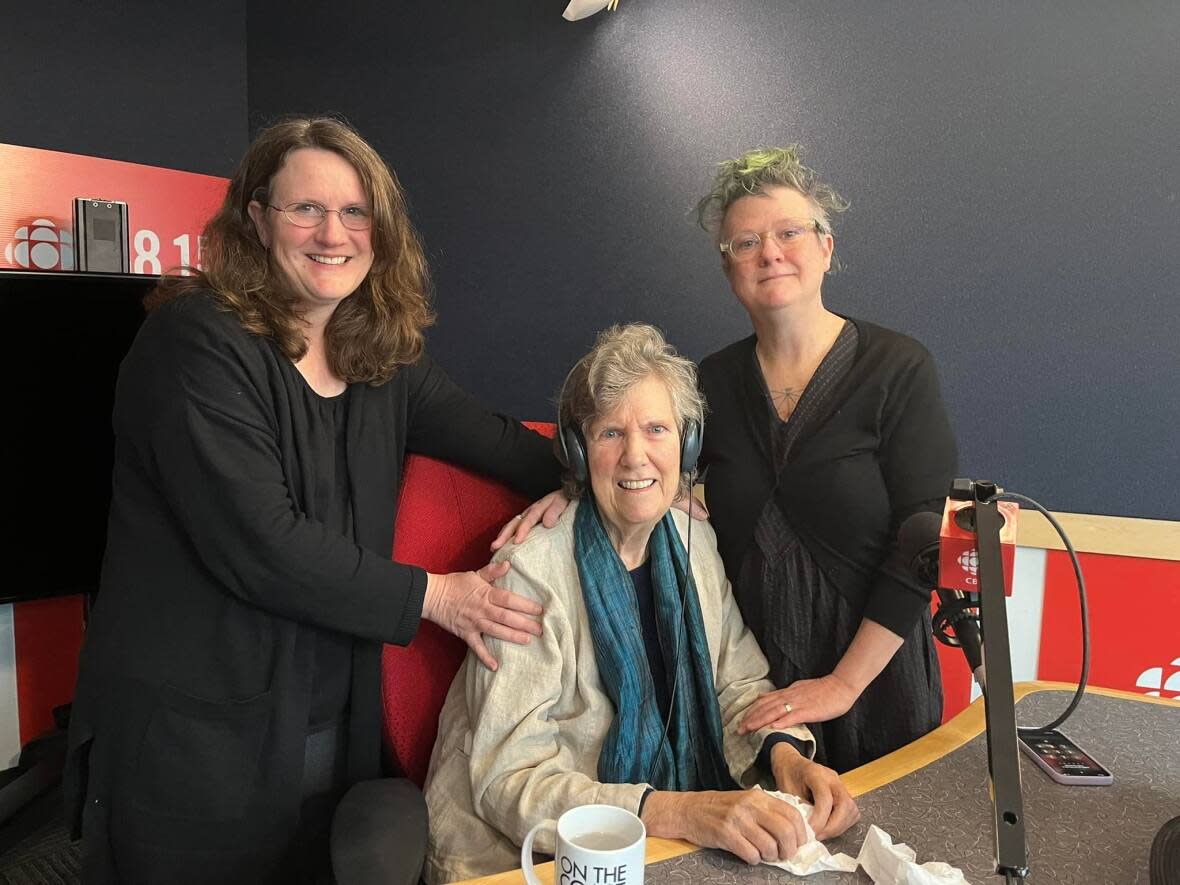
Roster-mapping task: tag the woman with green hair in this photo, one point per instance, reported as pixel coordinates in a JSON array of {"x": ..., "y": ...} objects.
[{"x": 825, "y": 432}]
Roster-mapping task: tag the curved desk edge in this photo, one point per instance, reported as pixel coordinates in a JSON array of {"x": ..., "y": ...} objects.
[
  {"x": 657, "y": 850},
  {"x": 944, "y": 739}
]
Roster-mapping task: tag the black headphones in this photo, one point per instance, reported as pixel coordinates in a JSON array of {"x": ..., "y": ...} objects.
[{"x": 573, "y": 448}]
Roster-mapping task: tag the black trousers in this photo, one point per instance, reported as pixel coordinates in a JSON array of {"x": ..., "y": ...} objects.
[
  {"x": 372, "y": 832},
  {"x": 379, "y": 834}
]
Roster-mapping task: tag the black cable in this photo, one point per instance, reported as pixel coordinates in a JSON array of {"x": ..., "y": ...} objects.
[
  {"x": 1081, "y": 581},
  {"x": 950, "y": 614}
]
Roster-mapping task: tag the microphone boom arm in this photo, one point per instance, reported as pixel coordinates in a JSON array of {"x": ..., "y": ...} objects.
[{"x": 1003, "y": 753}]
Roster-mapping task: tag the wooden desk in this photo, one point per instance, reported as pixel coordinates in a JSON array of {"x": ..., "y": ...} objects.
[{"x": 910, "y": 759}]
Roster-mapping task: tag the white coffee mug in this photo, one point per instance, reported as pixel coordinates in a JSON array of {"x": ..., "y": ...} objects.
[{"x": 596, "y": 845}]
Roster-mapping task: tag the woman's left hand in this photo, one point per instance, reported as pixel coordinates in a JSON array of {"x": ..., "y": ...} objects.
[
  {"x": 801, "y": 702},
  {"x": 545, "y": 511},
  {"x": 833, "y": 809},
  {"x": 468, "y": 605}
]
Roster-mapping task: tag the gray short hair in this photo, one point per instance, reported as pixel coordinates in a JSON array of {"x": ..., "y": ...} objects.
[
  {"x": 621, "y": 358},
  {"x": 755, "y": 172}
]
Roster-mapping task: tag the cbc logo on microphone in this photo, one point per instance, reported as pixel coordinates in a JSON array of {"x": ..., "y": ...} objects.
[
  {"x": 1159, "y": 684},
  {"x": 969, "y": 561}
]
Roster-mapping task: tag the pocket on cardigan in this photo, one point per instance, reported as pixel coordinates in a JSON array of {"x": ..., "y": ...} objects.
[{"x": 199, "y": 758}]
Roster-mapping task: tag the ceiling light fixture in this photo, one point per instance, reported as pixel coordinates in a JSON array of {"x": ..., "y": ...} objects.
[{"x": 579, "y": 9}]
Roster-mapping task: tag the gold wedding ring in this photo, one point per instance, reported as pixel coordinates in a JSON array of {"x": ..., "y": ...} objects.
[{"x": 787, "y": 707}]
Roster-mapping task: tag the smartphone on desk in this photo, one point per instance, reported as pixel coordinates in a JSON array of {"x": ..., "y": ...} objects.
[{"x": 1063, "y": 760}]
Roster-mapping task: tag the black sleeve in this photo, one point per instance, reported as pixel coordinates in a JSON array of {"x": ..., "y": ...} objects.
[
  {"x": 918, "y": 457},
  {"x": 447, "y": 423},
  {"x": 197, "y": 404},
  {"x": 773, "y": 740}
]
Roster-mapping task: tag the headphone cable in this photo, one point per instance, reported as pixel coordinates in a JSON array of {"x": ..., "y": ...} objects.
[{"x": 683, "y": 589}]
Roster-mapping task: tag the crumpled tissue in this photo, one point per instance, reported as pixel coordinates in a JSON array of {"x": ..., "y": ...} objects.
[
  {"x": 885, "y": 862},
  {"x": 813, "y": 856}
]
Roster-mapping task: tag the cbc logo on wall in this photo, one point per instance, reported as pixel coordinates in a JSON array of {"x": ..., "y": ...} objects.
[
  {"x": 41, "y": 244},
  {"x": 1161, "y": 681},
  {"x": 45, "y": 244}
]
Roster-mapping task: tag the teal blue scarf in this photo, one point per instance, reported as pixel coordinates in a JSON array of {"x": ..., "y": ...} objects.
[{"x": 636, "y": 750}]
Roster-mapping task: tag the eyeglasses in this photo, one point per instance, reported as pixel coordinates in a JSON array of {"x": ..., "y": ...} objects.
[
  {"x": 788, "y": 234},
  {"x": 313, "y": 215}
]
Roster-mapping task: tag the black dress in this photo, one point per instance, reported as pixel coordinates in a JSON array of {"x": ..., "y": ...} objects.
[
  {"x": 807, "y": 511},
  {"x": 229, "y": 686}
]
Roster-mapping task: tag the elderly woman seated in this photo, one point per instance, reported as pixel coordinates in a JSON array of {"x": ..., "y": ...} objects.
[{"x": 633, "y": 694}]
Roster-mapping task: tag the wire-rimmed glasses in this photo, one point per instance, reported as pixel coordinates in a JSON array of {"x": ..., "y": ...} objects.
[
  {"x": 788, "y": 234},
  {"x": 307, "y": 214}
]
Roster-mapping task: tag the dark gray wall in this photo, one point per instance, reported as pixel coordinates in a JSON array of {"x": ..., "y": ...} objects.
[
  {"x": 156, "y": 83},
  {"x": 1012, "y": 169}
]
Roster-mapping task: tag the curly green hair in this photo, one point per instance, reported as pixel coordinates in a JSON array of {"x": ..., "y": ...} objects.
[{"x": 760, "y": 169}]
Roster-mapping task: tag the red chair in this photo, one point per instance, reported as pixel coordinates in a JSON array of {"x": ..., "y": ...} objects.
[{"x": 446, "y": 518}]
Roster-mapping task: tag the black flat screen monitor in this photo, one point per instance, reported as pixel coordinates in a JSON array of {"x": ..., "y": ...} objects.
[{"x": 65, "y": 335}]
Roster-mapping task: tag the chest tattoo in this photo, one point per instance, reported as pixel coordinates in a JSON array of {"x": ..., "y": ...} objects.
[{"x": 784, "y": 400}]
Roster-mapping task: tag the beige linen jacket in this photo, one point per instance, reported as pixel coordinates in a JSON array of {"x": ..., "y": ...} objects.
[{"x": 521, "y": 744}]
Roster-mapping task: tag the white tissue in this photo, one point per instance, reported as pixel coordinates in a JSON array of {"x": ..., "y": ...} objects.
[
  {"x": 812, "y": 856},
  {"x": 885, "y": 863},
  {"x": 889, "y": 864}
]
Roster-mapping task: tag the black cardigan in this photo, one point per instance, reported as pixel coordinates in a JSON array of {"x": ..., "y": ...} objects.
[
  {"x": 196, "y": 676},
  {"x": 882, "y": 451}
]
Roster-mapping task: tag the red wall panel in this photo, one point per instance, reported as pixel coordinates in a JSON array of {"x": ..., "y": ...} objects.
[
  {"x": 1134, "y": 622},
  {"x": 48, "y": 637}
]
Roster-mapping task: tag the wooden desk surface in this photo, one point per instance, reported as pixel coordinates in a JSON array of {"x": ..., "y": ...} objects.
[{"x": 909, "y": 758}]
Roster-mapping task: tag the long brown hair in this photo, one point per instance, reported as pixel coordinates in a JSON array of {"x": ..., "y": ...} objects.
[{"x": 374, "y": 330}]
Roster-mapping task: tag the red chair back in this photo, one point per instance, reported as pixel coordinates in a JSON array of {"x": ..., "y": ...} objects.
[{"x": 446, "y": 520}]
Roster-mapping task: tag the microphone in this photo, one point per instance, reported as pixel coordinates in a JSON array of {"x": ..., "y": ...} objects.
[{"x": 918, "y": 540}]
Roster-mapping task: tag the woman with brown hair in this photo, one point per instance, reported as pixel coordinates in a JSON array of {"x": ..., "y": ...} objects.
[{"x": 229, "y": 687}]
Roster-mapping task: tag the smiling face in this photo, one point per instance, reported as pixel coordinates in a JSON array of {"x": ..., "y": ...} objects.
[
  {"x": 323, "y": 264},
  {"x": 777, "y": 276},
  {"x": 634, "y": 458}
]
